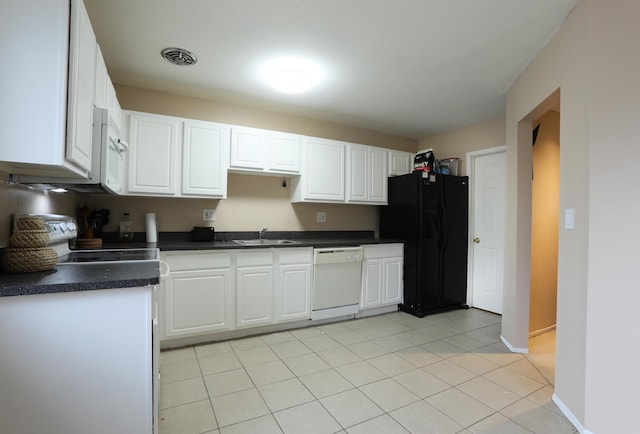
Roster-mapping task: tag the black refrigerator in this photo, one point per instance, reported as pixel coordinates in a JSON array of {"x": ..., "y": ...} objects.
[{"x": 430, "y": 213}]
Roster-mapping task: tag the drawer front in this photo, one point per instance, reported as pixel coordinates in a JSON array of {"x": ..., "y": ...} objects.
[
  {"x": 383, "y": 251},
  {"x": 300, "y": 255},
  {"x": 254, "y": 257},
  {"x": 197, "y": 261}
]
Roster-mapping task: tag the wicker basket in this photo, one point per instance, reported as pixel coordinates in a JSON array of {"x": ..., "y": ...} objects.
[
  {"x": 29, "y": 238},
  {"x": 27, "y": 260},
  {"x": 30, "y": 224}
]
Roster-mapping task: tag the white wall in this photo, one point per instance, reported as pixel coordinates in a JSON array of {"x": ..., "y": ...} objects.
[
  {"x": 593, "y": 61},
  {"x": 613, "y": 334}
]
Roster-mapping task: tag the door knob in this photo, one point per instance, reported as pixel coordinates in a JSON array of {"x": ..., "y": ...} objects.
[{"x": 476, "y": 240}]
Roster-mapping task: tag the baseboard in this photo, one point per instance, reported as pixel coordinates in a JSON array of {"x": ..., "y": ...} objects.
[
  {"x": 377, "y": 311},
  {"x": 569, "y": 415},
  {"x": 542, "y": 331},
  {"x": 512, "y": 348}
]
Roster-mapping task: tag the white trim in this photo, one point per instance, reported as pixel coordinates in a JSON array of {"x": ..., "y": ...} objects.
[
  {"x": 542, "y": 331},
  {"x": 512, "y": 348},
  {"x": 470, "y": 159},
  {"x": 335, "y": 312},
  {"x": 569, "y": 415}
]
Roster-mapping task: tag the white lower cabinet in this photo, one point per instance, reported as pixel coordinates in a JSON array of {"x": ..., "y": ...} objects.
[
  {"x": 293, "y": 284},
  {"x": 254, "y": 288},
  {"x": 382, "y": 275},
  {"x": 206, "y": 292},
  {"x": 196, "y": 294}
]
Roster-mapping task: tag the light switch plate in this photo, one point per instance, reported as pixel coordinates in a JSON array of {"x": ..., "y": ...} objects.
[
  {"x": 209, "y": 215},
  {"x": 321, "y": 217},
  {"x": 569, "y": 222}
]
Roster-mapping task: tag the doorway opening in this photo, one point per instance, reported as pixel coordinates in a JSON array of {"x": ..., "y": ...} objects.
[{"x": 545, "y": 209}]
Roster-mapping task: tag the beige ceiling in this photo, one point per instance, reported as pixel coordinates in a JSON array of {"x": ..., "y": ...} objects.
[{"x": 412, "y": 68}]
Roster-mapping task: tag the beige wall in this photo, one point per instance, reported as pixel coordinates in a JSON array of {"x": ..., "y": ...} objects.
[
  {"x": 253, "y": 202},
  {"x": 544, "y": 225},
  {"x": 15, "y": 198},
  {"x": 150, "y": 101},
  {"x": 456, "y": 144},
  {"x": 591, "y": 68}
]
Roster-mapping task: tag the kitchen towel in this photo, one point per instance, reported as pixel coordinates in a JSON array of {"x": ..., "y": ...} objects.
[{"x": 152, "y": 230}]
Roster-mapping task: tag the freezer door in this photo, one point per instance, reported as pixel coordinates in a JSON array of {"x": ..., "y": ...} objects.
[{"x": 455, "y": 229}]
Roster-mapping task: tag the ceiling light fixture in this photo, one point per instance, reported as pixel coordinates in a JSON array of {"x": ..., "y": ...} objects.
[
  {"x": 291, "y": 74},
  {"x": 291, "y": 81}
]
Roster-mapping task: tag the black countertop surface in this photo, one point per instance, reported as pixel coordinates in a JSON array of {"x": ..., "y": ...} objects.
[
  {"x": 81, "y": 277},
  {"x": 87, "y": 276},
  {"x": 168, "y": 241}
]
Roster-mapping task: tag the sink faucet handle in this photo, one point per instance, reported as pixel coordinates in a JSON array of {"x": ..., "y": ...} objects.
[{"x": 263, "y": 231}]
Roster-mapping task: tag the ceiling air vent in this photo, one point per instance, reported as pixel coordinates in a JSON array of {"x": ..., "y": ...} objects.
[{"x": 178, "y": 56}]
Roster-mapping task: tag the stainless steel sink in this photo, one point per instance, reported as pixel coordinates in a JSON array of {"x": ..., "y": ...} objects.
[{"x": 265, "y": 242}]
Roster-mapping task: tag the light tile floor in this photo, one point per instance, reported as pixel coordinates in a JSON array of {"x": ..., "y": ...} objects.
[{"x": 393, "y": 373}]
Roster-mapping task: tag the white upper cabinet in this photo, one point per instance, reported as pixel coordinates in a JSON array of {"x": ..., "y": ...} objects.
[
  {"x": 153, "y": 154},
  {"x": 249, "y": 148},
  {"x": 263, "y": 151},
  {"x": 102, "y": 76},
  {"x": 367, "y": 174},
  {"x": 82, "y": 71},
  {"x": 170, "y": 156},
  {"x": 284, "y": 152},
  {"x": 204, "y": 151},
  {"x": 36, "y": 84},
  {"x": 400, "y": 163},
  {"x": 322, "y": 178},
  {"x": 105, "y": 93}
]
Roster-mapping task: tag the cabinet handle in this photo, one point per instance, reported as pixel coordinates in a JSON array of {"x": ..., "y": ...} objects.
[{"x": 476, "y": 240}]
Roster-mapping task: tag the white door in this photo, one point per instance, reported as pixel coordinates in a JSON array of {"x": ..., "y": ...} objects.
[{"x": 488, "y": 190}]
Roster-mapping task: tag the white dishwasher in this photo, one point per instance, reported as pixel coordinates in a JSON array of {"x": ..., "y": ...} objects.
[{"x": 337, "y": 282}]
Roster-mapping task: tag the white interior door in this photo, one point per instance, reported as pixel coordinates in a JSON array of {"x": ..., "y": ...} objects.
[{"x": 488, "y": 195}]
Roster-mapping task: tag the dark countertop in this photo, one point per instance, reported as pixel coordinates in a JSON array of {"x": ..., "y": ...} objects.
[
  {"x": 172, "y": 241},
  {"x": 84, "y": 277}
]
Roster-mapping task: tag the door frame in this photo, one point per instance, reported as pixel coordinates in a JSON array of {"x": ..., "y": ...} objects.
[{"x": 470, "y": 162}]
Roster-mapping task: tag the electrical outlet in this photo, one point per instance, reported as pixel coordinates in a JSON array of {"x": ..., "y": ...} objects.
[
  {"x": 209, "y": 215},
  {"x": 321, "y": 217}
]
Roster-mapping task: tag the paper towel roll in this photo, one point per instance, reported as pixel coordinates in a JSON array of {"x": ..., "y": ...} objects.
[{"x": 152, "y": 230}]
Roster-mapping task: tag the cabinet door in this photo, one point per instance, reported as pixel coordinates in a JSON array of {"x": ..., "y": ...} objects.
[
  {"x": 113, "y": 106},
  {"x": 393, "y": 289},
  {"x": 100, "y": 92},
  {"x": 153, "y": 144},
  {"x": 294, "y": 289},
  {"x": 372, "y": 283},
  {"x": 377, "y": 175},
  {"x": 249, "y": 148},
  {"x": 284, "y": 152},
  {"x": 325, "y": 168},
  {"x": 197, "y": 302},
  {"x": 82, "y": 70},
  {"x": 358, "y": 187},
  {"x": 400, "y": 163},
  {"x": 203, "y": 169},
  {"x": 254, "y": 296}
]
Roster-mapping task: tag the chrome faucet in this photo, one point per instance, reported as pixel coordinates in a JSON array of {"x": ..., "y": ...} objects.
[{"x": 262, "y": 232}]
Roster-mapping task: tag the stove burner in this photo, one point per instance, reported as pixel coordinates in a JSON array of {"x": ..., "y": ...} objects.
[{"x": 114, "y": 255}]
